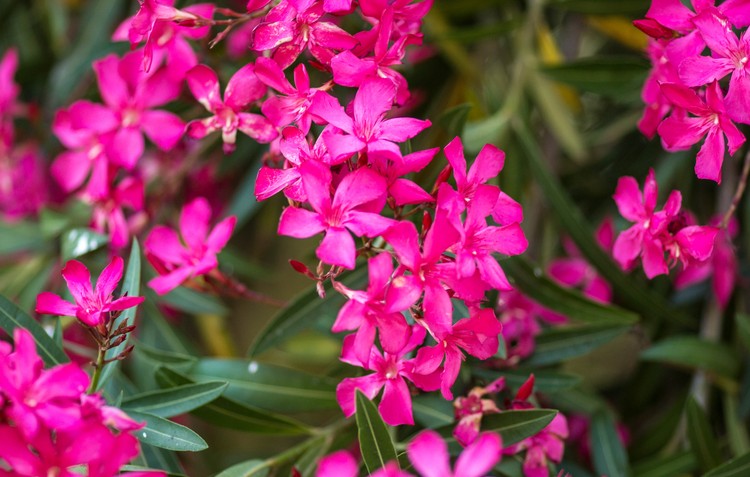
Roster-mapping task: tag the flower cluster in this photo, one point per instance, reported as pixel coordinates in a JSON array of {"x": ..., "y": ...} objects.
[
  {"x": 685, "y": 81},
  {"x": 50, "y": 426}
]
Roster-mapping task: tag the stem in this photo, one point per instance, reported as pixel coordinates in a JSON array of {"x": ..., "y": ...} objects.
[
  {"x": 739, "y": 192},
  {"x": 98, "y": 366}
]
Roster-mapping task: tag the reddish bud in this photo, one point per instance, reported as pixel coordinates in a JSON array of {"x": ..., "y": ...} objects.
[
  {"x": 300, "y": 267},
  {"x": 526, "y": 389}
]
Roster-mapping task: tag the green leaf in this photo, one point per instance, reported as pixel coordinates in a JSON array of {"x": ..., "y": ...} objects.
[
  {"x": 268, "y": 386},
  {"x": 559, "y": 344},
  {"x": 432, "y": 411},
  {"x": 603, "y": 7},
  {"x": 78, "y": 242},
  {"x": 677, "y": 464},
  {"x": 693, "y": 352},
  {"x": 569, "y": 302},
  {"x": 157, "y": 458},
  {"x": 375, "y": 442},
  {"x": 515, "y": 426},
  {"x": 608, "y": 453},
  {"x": 453, "y": 120},
  {"x": 606, "y": 75},
  {"x": 739, "y": 441},
  {"x": 544, "y": 381},
  {"x": 138, "y": 468},
  {"x": 739, "y": 467},
  {"x": 742, "y": 320},
  {"x": 165, "y": 434},
  {"x": 131, "y": 286},
  {"x": 231, "y": 414},
  {"x": 194, "y": 302},
  {"x": 303, "y": 311},
  {"x": 21, "y": 236},
  {"x": 249, "y": 468},
  {"x": 11, "y": 317},
  {"x": 175, "y": 401},
  {"x": 178, "y": 361},
  {"x": 648, "y": 303},
  {"x": 702, "y": 439}
]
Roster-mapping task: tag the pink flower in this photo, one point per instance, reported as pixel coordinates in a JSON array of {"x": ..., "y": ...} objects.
[
  {"x": 293, "y": 25},
  {"x": 92, "y": 305},
  {"x": 342, "y": 464},
  {"x": 655, "y": 234},
  {"x": 366, "y": 129},
  {"x": 8, "y": 96},
  {"x": 730, "y": 55},
  {"x": 176, "y": 262},
  {"x": 470, "y": 409},
  {"x": 351, "y": 209},
  {"x": 680, "y": 132},
  {"x": 390, "y": 372},
  {"x": 429, "y": 455},
  {"x": 373, "y": 309},
  {"x": 108, "y": 215},
  {"x": 24, "y": 187},
  {"x": 243, "y": 90}
]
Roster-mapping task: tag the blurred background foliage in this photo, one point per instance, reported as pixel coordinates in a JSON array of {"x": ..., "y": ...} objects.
[{"x": 554, "y": 84}]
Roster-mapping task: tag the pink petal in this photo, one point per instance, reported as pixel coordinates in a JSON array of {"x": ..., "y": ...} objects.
[
  {"x": 268, "y": 36},
  {"x": 700, "y": 70},
  {"x": 487, "y": 165},
  {"x": 395, "y": 405},
  {"x": 358, "y": 188},
  {"x": 697, "y": 241},
  {"x": 373, "y": 99},
  {"x": 346, "y": 391},
  {"x": 402, "y": 129},
  {"x": 269, "y": 72},
  {"x": 653, "y": 258},
  {"x": 204, "y": 84},
  {"x": 711, "y": 156},
  {"x": 737, "y": 101},
  {"x": 717, "y": 33},
  {"x": 243, "y": 88},
  {"x": 51, "y": 304},
  {"x": 78, "y": 278},
  {"x": 194, "y": 221},
  {"x": 272, "y": 181},
  {"x": 257, "y": 127},
  {"x": 109, "y": 279},
  {"x": 164, "y": 244},
  {"x": 629, "y": 199},
  {"x": 70, "y": 169},
  {"x": 220, "y": 234},
  {"x": 481, "y": 456},
  {"x": 628, "y": 246},
  {"x": 681, "y": 132},
  {"x": 338, "y": 464},
  {"x": 337, "y": 248},
  {"x": 113, "y": 89},
  {"x": 126, "y": 302},
  {"x": 404, "y": 239},
  {"x": 163, "y": 284},
  {"x": 406, "y": 192},
  {"x": 163, "y": 128},
  {"x": 429, "y": 455},
  {"x": 300, "y": 223},
  {"x": 126, "y": 147}
]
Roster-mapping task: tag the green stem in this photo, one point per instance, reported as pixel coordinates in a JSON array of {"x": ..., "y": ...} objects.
[
  {"x": 98, "y": 366},
  {"x": 738, "y": 193}
]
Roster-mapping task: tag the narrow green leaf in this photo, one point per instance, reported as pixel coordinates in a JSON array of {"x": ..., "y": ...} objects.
[
  {"x": 677, "y": 464},
  {"x": 739, "y": 467},
  {"x": 21, "y": 236},
  {"x": 249, "y": 468},
  {"x": 557, "y": 116},
  {"x": 544, "y": 381},
  {"x": 175, "y": 401},
  {"x": 194, "y": 302},
  {"x": 138, "y": 468},
  {"x": 231, "y": 414},
  {"x": 571, "y": 303},
  {"x": 648, "y": 303},
  {"x": 268, "y": 386},
  {"x": 693, "y": 352},
  {"x": 701, "y": 437},
  {"x": 515, "y": 426},
  {"x": 78, "y": 242},
  {"x": 453, "y": 120},
  {"x": 305, "y": 310},
  {"x": 607, "y": 75},
  {"x": 742, "y": 321},
  {"x": 375, "y": 442},
  {"x": 432, "y": 411},
  {"x": 607, "y": 451},
  {"x": 131, "y": 286},
  {"x": 739, "y": 441},
  {"x": 603, "y": 7},
  {"x": 165, "y": 434},
  {"x": 172, "y": 359},
  {"x": 559, "y": 344},
  {"x": 11, "y": 317}
]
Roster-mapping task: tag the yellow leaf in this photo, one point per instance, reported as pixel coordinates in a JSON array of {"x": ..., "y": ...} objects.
[{"x": 619, "y": 29}]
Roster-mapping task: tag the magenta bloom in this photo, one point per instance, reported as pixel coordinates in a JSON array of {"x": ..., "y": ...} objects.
[
  {"x": 470, "y": 409},
  {"x": 366, "y": 129},
  {"x": 730, "y": 56},
  {"x": 176, "y": 262},
  {"x": 293, "y": 25},
  {"x": 655, "y": 234},
  {"x": 429, "y": 455},
  {"x": 351, "y": 209},
  {"x": 243, "y": 89},
  {"x": 680, "y": 131},
  {"x": 390, "y": 370},
  {"x": 108, "y": 215},
  {"x": 92, "y": 305}
]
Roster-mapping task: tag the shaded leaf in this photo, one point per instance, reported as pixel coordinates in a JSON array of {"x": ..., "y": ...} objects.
[
  {"x": 566, "y": 301},
  {"x": 11, "y": 317},
  {"x": 249, "y": 468},
  {"x": 677, "y": 464},
  {"x": 559, "y": 344},
  {"x": 268, "y": 386},
  {"x": 608, "y": 453},
  {"x": 604, "y": 7},
  {"x": 605, "y": 75},
  {"x": 693, "y": 352},
  {"x": 231, "y": 414},
  {"x": 165, "y": 434},
  {"x": 738, "y": 467},
  {"x": 78, "y": 242},
  {"x": 194, "y": 302},
  {"x": 175, "y": 401},
  {"x": 375, "y": 442},
  {"x": 544, "y": 381},
  {"x": 702, "y": 439}
]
